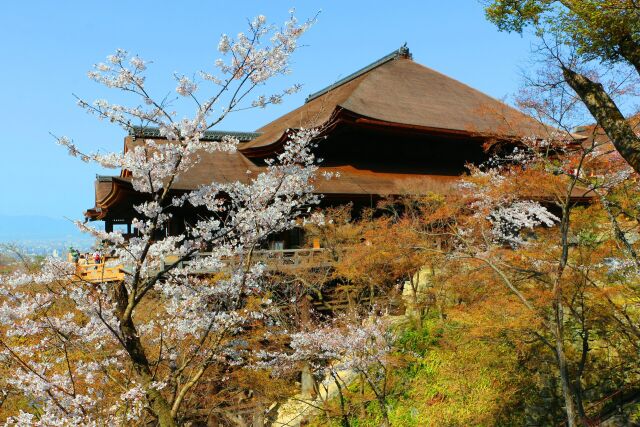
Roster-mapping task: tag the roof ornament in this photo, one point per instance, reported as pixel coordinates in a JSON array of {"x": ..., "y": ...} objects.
[{"x": 403, "y": 52}]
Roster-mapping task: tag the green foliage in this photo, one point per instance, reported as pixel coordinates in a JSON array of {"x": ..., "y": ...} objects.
[
  {"x": 588, "y": 238},
  {"x": 461, "y": 381},
  {"x": 418, "y": 341},
  {"x": 515, "y": 15},
  {"x": 607, "y": 30},
  {"x": 449, "y": 380}
]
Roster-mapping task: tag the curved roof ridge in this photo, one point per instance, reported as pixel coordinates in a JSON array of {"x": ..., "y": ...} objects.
[{"x": 402, "y": 52}]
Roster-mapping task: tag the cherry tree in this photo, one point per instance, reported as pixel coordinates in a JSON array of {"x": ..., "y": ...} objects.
[{"x": 143, "y": 349}]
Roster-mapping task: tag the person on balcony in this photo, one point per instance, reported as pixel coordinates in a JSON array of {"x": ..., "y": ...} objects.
[{"x": 75, "y": 255}]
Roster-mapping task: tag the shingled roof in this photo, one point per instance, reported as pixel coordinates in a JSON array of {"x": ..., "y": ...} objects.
[{"x": 399, "y": 92}]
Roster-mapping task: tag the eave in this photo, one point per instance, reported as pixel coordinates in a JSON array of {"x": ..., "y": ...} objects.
[
  {"x": 343, "y": 117},
  {"x": 110, "y": 191}
]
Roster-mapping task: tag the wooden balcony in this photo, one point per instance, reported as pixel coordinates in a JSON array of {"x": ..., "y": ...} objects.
[
  {"x": 108, "y": 271},
  {"x": 285, "y": 260}
]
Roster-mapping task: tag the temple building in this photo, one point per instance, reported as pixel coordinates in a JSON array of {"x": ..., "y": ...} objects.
[{"x": 392, "y": 128}]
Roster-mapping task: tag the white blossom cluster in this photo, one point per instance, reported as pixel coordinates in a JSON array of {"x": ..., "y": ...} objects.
[
  {"x": 357, "y": 346},
  {"x": 43, "y": 335},
  {"x": 509, "y": 220}
]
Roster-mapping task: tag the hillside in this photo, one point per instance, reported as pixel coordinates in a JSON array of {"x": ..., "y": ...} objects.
[{"x": 34, "y": 231}]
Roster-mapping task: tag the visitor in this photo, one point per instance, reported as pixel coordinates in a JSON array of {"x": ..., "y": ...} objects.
[
  {"x": 97, "y": 257},
  {"x": 75, "y": 255}
]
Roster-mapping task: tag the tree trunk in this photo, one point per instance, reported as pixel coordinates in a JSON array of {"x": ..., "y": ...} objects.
[
  {"x": 343, "y": 410},
  {"x": 385, "y": 414},
  {"x": 558, "y": 311},
  {"x": 630, "y": 50},
  {"x": 135, "y": 350},
  {"x": 607, "y": 115},
  {"x": 570, "y": 406}
]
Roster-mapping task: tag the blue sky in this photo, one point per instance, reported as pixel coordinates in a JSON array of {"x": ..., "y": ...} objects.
[{"x": 49, "y": 46}]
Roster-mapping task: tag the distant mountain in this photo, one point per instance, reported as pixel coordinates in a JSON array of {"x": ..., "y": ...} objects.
[{"x": 26, "y": 229}]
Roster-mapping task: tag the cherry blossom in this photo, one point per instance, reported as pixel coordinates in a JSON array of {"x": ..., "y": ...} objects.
[{"x": 82, "y": 351}]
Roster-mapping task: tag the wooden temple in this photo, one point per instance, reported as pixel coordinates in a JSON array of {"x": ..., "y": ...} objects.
[{"x": 394, "y": 127}]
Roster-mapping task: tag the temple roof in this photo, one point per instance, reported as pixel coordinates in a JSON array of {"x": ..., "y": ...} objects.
[
  {"x": 398, "y": 92},
  {"x": 390, "y": 101}
]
